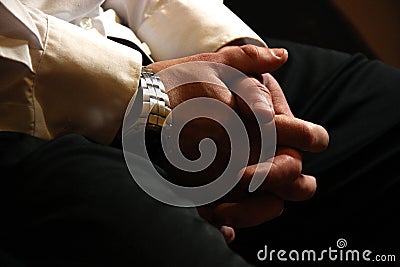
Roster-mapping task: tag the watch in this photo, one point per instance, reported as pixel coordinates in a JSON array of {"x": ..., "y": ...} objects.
[
  {"x": 156, "y": 106},
  {"x": 154, "y": 114}
]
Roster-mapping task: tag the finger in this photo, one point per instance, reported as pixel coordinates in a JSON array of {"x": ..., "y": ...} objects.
[
  {"x": 254, "y": 99},
  {"x": 228, "y": 233},
  {"x": 248, "y": 59},
  {"x": 279, "y": 101},
  {"x": 283, "y": 169},
  {"x": 254, "y": 59},
  {"x": 281, "y": 177},
  {"x": 300, "y": 134},
  {"x": 294, "y": 132},
  {"x": 302, "y": 188},
  {"x": 252, "y": 211}
]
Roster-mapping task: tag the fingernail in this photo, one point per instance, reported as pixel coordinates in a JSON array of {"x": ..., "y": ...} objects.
[{"x": 279, "y": 52}]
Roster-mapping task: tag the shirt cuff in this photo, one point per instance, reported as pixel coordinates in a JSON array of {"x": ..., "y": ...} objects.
[
  {"x": 183, "y": 28},
  {"x": 83, "y": 83}
]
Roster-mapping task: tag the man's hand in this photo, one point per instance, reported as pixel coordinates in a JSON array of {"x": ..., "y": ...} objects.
[
  {"x": 285, "y": 180},
  {"x": 246, "y": 59},
  {"x": 265, "y": 100}
]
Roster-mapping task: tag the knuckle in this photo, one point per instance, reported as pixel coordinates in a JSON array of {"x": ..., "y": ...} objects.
[
  {"x": 210, "y": 57},
  {"x": 293, "y": 166},
  {"x": 308, "y": 131},
  {"x": 251, "y": 51}
]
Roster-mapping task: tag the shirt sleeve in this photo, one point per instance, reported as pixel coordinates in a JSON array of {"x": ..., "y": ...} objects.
[
  {"x": 178, "y": 28},
  {"x": 75, "y": 81}
]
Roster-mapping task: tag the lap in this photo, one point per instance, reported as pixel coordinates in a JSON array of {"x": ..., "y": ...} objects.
[{"x": 71, "y": 202}]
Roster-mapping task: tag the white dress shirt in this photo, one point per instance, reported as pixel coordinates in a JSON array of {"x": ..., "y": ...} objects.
[{"x": 59, "y": 74}]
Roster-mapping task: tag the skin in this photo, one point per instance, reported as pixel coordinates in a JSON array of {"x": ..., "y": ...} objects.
[{"x": 285, "y": 180}]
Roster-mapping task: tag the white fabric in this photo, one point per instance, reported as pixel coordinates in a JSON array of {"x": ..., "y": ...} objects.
[
  {"x": 16, "y": 50},
  {"x": 59, "y": 74}
]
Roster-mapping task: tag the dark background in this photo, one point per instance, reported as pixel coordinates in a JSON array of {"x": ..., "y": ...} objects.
[{"x": 313, "y": 22}]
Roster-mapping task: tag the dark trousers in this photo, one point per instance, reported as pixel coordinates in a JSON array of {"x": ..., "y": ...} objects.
[{"x": 71, "y": 202}]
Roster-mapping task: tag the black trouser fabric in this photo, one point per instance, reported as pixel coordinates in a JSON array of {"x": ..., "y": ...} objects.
[
  {"x": 71, "y": 202},
  {"x": 358, "y": 178}
]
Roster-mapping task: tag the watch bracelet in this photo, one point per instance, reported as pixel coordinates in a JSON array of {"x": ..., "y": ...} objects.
[
  {"x": 156, "y": 108},
  {"x": 156, "y": 105}
]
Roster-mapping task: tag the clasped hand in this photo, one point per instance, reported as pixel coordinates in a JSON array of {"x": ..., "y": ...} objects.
[{"x": 263, "y": 99}]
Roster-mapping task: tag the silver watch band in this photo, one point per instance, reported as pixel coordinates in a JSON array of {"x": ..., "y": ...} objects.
[
  {"x": 146, "y": 115},
  {"x": 156, "y": 105}
]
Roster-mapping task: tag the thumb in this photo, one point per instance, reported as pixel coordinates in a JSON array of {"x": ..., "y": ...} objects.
[{"x": 251, "y": 59}]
